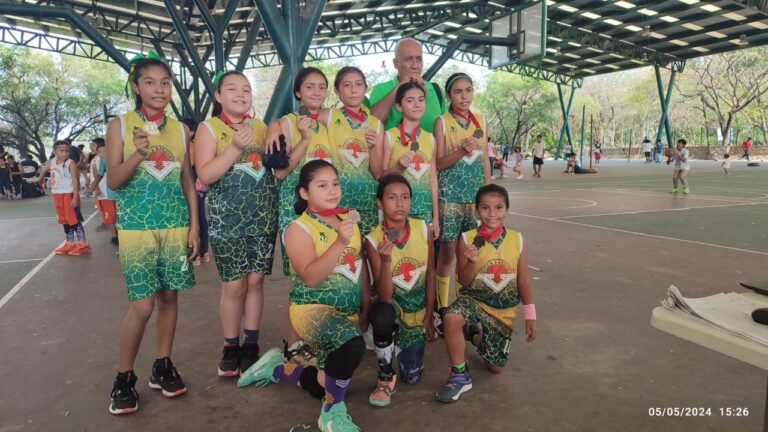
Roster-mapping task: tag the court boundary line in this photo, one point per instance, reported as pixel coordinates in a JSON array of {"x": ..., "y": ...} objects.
[
  {"x": 638, "y": 233},
  {"x": 21, "y": 260},
  {"x": 16, "y": 288},
  {"x": 662, "y": 194},
  {"x": 658, "y": 211}
]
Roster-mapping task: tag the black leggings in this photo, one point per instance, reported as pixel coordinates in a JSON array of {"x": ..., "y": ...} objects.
[
  {"x": 341, "y": 364},
  {"x": 382, "y": 319}
]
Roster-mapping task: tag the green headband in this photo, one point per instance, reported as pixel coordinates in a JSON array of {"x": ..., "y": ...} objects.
[
  {"x": 132, "y": 63},
  {"x": 217, "y": 77},
  {"x": 455, "y": 78}
]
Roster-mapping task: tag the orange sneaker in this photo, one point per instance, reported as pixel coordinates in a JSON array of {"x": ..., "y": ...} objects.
[
  {"x": 80, "y": 249},
  {"x": 64, "y": 249},
  {"x": 381, "y": 396}
]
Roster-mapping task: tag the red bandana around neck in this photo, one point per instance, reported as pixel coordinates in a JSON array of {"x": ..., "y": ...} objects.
[
  {"x": 328, "y": 212},
  {"x": 488, "y": 236},
  {"x": 149, "y": 118},
  {"x": 359, "y": 116},
  {"x": 413, "y": 134},
  {"x": 224, "y": 118},
  {"x": 471, "y": 117}
]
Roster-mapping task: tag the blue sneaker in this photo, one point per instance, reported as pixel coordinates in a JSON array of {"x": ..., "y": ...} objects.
[
  {"x": 457, "y": 384},
  {"x": 260, "y": 373},
  {"x": 336, "y": 419}
]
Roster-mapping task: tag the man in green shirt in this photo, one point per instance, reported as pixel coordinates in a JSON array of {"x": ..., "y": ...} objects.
[{"x": 409, "y": 64}]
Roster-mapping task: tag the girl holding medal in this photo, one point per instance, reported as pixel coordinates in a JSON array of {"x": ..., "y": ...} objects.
[
  {"x": 243, "y": 215},
  {"x": 157, "y": 225},
  {"x": 492, "y": 268}
]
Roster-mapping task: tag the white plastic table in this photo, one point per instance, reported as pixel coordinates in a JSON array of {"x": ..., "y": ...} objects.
[{"x": 699, "y": 332}]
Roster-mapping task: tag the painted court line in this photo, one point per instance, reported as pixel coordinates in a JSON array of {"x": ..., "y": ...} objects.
[
  {"x": 662, "y": 194},
  {"x": 18, "y": 261},
  {"x": 659, "y": 210},
  {"x": 34, "y": 271},
  {"x": 27, "y": 219},
  {"x": 639, "y": 233}
]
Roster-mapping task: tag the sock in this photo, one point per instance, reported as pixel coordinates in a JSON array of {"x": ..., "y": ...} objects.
[
  {"x": 124, "y": 376},
  {"x": 334, "y": 391},
  {"x": 80, "y": 232},
  {"x": 232, "y": 341},
  {"x": 384, "y": 356},
  {"x": 289, "y": 371},
  {"x": 251, "y": 336},
  {"x": 459, "y": 368},
  {"x": 443, "y": 286}
]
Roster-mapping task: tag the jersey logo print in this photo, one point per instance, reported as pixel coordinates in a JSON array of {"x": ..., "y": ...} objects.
[
  {"x": 250, "y": 163},
  {"x": 351, "y": 265},
  {"x": 496, "y": 275},
  {"x": 418, "y": 167},
  {"x": 159, "y": 163},
  {"x": 407, "y": 273},
  {"x": 319, "y": 151},
  {"x": 353, "y": 152},
  {"x": 472, "y": 157}
]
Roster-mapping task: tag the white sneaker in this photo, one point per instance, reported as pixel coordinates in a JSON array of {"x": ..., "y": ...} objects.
[
  {"x": 504, "y": 176},
  {"x": 520, "y": 177}
]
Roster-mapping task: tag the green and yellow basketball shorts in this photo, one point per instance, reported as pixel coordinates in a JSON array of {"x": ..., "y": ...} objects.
[
  {"x": 456, "y": 218},
  {"x": 494, "y": 346},
  {"x": 237, "y": 256},
  {"x": 323, "y": 327},
  {"x": 155, "y": 260},
  {"x": 410, "y": 327}
]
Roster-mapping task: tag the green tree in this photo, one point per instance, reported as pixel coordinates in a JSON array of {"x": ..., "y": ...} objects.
[{"x": 46, "y": 97}]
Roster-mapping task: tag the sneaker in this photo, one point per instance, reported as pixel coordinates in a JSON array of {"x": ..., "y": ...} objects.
[
  {"x": 457, "y": 384},
  {"x": 165, "y": 377},
  {"x": 520, "y": 177},
  {"x": 64, "y": 249},
  {"x": 300, "y": 353},
  {"x": 125, "y": 398},
  {"x": 249, "y": 354},
  {"x": 437, "y": 319},
  {"x": 80, "y": 249},
  {"x": 504, "y": 176},
  {"x": 381, "y": 396},
  {"x": 336, "y": 419},
  {"x": 686, "y": 191},
  {"x": 115, "y": 241},
  {"x": 260, "y": 373},
  {"x": 673, "y": 191},
  {"x": 229, "y": 365}
]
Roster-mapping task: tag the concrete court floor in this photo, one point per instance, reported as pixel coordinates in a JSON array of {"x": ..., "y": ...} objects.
[{"x": 597, "y": 364}]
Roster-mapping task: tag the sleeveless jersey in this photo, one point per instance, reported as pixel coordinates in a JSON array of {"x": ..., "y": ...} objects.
[
  {"x": 495, "y": 284},
  {"x": 418, "y": 172},
  {"x": 243, "y": 202},
  {"x": 351, "y": 159},
  {"x": 153, "y": 198},
  {"x": 342, "y": 289},
  {"x": 409, "y": 270},
  {"x": 459, "y": 183},
  {"x": 61, "y": 178},
  {"x": 318, "y": 148}
]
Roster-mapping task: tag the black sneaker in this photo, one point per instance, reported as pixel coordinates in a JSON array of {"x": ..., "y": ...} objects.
[
  {"x": 125, "y": 398},
  {"x": 249, "y": 354},
  {"x": 230, "y": 360},
  {"x": 165, "y": 377},
  {"x": 115, "y": 241}
]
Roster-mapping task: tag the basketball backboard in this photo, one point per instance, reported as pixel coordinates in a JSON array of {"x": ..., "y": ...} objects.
[{"x": 529, "y": 24}]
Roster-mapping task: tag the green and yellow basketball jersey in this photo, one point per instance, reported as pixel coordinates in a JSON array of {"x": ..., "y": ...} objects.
[
  {"x": 459, "y": 183},
  {"x": 418, "y": 172}
]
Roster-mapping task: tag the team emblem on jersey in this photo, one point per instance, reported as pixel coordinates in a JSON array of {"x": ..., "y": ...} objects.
[
  {"x": 472, "y": 157},
  {"x": 418, "y": 166},
  {"x": 350, "y": 265},
  {"x": 319, "y": 151},
  {"x": 496, "y": 275},
  {"x": 159, "y": 162},
  {"x": 407, "y": 273},
  {"x": 354, "y": 151},
  {"x": 250, "y": 163}
]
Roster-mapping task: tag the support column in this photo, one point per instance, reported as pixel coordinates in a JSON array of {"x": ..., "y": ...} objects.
[
  {"x": 565, "y": 130},
  {"x": 664, "y": 100},
  {"x": 292, "y": 37}
]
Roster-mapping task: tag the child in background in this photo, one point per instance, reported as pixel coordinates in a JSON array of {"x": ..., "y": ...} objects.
[
  {"x": 726, "y": 164},
  {"x": 400, "y": 251},
  {"x": 519, "y": 158},
  {"x": 65, "y": 184},
  {"x": 682, "y": 166},
  {"x": 328, "y": 301},
  {"x": 492, "y": 268},
  {"x": 105, "y": 202},
  {"x": 16, "y": 175},
  {"x": 6, "y": 186}
]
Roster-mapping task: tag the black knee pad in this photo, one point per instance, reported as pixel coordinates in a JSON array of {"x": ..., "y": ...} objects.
[
  {"x": 382, "y": 319},
  {"x": 341, "y": 364},
  {"x": 308, "y": 381}
]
